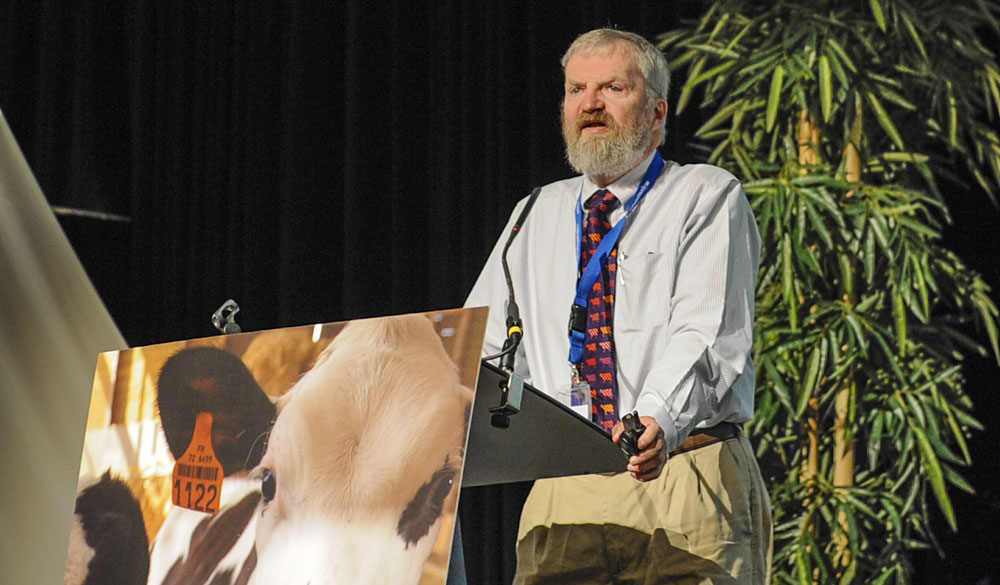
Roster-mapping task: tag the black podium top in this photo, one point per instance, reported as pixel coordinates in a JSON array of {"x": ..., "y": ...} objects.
[{"x": 544, "y": 439}]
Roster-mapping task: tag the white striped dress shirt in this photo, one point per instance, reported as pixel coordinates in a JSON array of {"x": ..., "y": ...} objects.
[{"x": 683, "y": 311}]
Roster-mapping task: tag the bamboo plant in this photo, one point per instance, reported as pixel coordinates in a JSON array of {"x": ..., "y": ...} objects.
[{"x": 853, "y": 126}]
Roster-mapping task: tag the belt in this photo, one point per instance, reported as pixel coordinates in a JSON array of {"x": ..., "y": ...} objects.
[{"x": 707, "y": 436}]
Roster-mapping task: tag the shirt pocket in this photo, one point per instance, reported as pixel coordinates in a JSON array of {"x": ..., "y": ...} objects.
[{"x": 643, "y": 291}]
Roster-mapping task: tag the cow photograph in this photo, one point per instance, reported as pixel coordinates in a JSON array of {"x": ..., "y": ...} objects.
[{"x": 320, "y": 454}]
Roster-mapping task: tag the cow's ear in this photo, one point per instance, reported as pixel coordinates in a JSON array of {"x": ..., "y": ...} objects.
[
  {"x": 207, "y": 379},
  {"x": 110, "y": 532}
]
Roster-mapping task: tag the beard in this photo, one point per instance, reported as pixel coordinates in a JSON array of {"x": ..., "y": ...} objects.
[{"x": 610, "y": 154}]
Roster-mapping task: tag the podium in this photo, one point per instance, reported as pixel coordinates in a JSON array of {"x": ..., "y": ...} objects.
[{"x": 544, "y": 439}]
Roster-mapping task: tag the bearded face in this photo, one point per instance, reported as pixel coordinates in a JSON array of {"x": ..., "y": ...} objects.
[
  {"x": 610, "y": 123},
  {"x": 610, "y": 153}
]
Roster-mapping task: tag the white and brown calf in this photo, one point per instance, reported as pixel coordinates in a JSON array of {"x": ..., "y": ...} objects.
[{"x": 361, "y": 461}]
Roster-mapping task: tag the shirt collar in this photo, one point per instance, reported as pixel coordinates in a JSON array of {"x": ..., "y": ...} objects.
[{"x": 626, "y": 185}]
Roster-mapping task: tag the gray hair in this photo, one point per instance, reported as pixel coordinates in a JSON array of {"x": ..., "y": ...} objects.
[{"x": 652, "y": 63}]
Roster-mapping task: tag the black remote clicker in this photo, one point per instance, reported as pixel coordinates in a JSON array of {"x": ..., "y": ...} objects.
[{"x": 629, "y": 440}]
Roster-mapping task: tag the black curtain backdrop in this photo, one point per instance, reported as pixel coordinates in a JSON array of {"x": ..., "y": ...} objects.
[
  {"x": 323, "y": 161},
  {"x": 313, "y": 161}
]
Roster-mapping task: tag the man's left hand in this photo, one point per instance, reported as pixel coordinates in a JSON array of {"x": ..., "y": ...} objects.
[{"x": 647, "y": 464}]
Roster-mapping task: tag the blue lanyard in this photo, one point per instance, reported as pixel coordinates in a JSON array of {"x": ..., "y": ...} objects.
[{"x": 593, "y": 269}]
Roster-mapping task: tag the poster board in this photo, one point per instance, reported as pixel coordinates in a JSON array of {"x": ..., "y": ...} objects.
[{"x": 354, "y": 474}]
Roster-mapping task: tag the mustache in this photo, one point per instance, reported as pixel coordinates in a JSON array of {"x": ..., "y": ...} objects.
[{"x": 589, "y": 118}]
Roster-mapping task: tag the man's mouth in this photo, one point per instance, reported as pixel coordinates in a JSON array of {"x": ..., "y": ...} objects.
[{"x": 593, "y": 125}]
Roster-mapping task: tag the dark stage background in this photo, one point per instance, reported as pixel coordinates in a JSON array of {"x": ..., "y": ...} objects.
[{"x": 326, "y": 161}]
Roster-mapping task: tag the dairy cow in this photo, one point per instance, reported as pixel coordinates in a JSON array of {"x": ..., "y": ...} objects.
[{"x": 344, "y": 480}]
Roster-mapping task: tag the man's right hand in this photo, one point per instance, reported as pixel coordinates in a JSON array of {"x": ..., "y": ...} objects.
[{"x": 647, "y": 464}]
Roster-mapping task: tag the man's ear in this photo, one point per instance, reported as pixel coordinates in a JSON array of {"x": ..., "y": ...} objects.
[{"x": 660, "y": 111}]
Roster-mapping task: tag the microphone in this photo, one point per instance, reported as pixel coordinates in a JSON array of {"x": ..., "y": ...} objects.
[
  {"x": 510, "y": 392},
  {"x": 514, "y": 331}
]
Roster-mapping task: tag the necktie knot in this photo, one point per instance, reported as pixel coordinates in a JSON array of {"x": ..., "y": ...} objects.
[{"x": 602, "y": 201}]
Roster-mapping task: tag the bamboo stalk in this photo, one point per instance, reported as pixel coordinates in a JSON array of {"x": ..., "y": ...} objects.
[
  {"x": 808, "y": 139},
  {"x": 843, "y": 442}
]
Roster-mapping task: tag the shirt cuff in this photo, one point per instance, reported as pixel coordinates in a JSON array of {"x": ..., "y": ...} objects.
[{"x": 648, "y": 405}]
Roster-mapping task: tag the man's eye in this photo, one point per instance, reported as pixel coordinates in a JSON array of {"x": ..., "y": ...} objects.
[{"x": 615, "y": 88}]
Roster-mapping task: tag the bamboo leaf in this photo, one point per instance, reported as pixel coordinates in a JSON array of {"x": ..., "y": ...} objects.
[
  {"x": 812, "y": 377},
  {"x": 918, "y": 227},
  {"x": 859, "y": 504},
  {"x": 913, "y": 34},
  {"x": 875, "y": 441},
  {"x": 719, "y": 26},
  {"x": 887, "y": 352},
  {"x": 719, "y": 117},
  {"x": 967, "y": 420},
  {"x": 881, "y": 231},
  {"x": 952, "y": 116},
  {"x": 858, "y": 332},
  {"x": 822, "y": 198},
  {"x": 914, "y": 157},
  {"x": 666, "y": 39},
  {"x": 805, "y": 256},
  {"x": 988, "y": 318},
  {"x": 899, "y": 315},
  {"x": 894, "y": 97},
  {"x": 993, "y": 77},
  {"x": 935, "y": 475},
  {"x": 877, "y": 12},
  {"x": 841, "y": 54},
  {"x": 712, "y": 73},
  {"x": 820, "y": 226},
  {"x": 884, "y": 577},
  {"x": 778, "y": 386},
  {"x": 774, "y": 97},
  {"x": 717, "y": 51},
  {"x": 825, "y": 88},
  {"x": 788, "y": 283},
  {"x": 885, "y": 121},
  {"x": 688, "y": 88},
  {"x": 709, "y": 15},
  {"x": 717, "y": 152},
  {"x": 837, "y": 67},
  {"x": 869, "y": 255},
  {"x": 956, "y": 432},
  {"x": 958, "y": 481},
  {"x": 922, "y": 310},
  {"x": 802, "y": 566},
  {"x": 683, "y": 59}
]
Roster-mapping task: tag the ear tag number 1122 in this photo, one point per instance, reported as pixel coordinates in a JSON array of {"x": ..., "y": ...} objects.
[{"x": 197, "y": 475}]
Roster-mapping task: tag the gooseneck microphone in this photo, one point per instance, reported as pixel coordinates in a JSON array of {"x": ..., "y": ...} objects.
[
  {"x": 510, "y": 391},
  {"x": 514, "y": 331}
]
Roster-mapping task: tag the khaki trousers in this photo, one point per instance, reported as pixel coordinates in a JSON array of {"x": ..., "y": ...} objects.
[{"x": 706, "y": 519}]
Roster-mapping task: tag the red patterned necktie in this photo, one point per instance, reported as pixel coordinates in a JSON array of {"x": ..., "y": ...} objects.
[{"x": 597, "y": 364}]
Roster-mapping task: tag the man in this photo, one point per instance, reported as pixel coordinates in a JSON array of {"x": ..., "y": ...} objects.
[{"x": 663, "y": 325}]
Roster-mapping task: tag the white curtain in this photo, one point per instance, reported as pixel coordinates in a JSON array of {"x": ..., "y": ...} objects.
[{"x": 52, "y": 326}]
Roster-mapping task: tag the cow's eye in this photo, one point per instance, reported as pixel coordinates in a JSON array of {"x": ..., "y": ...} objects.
[{"x": 268, "y": 485}]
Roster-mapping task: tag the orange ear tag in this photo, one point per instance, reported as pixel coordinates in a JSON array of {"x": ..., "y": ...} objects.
[{"x": 197, "y": 476}]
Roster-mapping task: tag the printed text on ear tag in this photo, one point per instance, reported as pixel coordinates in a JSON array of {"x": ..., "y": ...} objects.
[{"x": 197, "y": 477}]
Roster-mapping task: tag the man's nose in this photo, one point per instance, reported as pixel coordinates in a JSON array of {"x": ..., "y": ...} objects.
[{"x": 592, "y": 100}]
